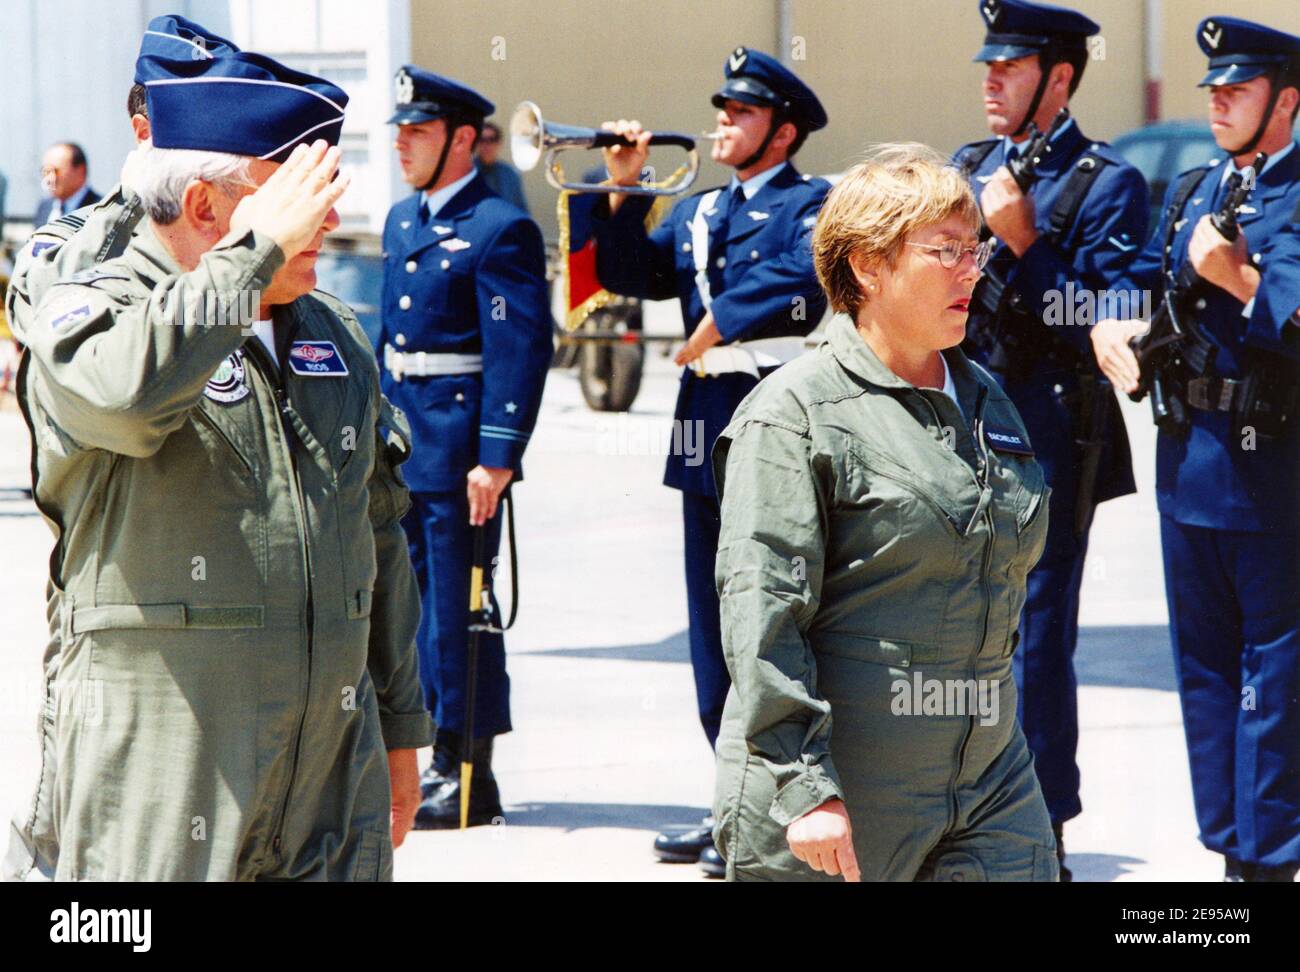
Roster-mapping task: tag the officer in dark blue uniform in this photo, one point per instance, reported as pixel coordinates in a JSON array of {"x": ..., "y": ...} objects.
[
  {"x": 1227, "y": 477},
  {"x": 465, "y": 344},
  {"x": 739, "y": 259},
  {"x": 1081, "y": 222}
]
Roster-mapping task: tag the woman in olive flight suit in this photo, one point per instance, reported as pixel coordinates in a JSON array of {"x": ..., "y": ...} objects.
[{"x": 881, "y": 507}]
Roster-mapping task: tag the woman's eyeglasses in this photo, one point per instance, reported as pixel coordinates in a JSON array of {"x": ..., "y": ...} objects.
[{"x": 951, "y": 251}]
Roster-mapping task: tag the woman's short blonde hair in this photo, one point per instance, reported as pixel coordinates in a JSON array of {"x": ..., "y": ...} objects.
[{"x": 898, "y": 188}]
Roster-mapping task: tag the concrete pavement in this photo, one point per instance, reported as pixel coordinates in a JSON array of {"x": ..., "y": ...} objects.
[{"x": 607, "y": 747}]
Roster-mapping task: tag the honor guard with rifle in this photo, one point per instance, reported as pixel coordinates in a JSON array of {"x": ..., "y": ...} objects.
[
  {"x": 1219, "y": 363},
  {"x": 465, "y": 347},
  {"x": 739, "y": 259},
  {"x": 1068, "y": 214}
]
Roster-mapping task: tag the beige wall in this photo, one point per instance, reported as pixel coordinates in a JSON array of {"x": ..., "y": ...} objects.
[
  {"x": 584, "y": 62},
  {"x": 885, "y": 69},
  {"x": 889, "y": 71},
  {"x": 1184, "y": 64}
]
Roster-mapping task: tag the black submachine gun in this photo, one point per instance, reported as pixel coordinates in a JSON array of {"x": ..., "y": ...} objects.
[{"x": 1175, "y": 348}]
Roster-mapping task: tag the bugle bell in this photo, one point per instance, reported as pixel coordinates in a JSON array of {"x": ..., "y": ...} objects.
[{"x": 531, "y": 136}]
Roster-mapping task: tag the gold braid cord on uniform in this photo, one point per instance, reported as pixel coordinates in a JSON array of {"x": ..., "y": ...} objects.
[{"x": 575, "y": 315}]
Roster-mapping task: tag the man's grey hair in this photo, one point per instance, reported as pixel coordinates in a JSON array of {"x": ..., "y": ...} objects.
[{"x": 161, "y": 175}]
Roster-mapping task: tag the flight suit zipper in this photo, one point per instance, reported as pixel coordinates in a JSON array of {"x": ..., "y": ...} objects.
[
  {"x": 980, "y": 476},
  {"x": 266, "y": 367}
]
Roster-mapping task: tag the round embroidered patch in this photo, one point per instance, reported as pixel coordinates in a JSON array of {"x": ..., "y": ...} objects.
[{"x": 227, "y": 383}]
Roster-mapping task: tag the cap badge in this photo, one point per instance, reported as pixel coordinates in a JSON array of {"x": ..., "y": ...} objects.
[
  {"x": 405, "y": 88},
  {"x": 1212, "y": 34},
  {"x": 737, "y": 59},
  {"x": 200, "y": 52},
  {"x": 991, "y": 9}
]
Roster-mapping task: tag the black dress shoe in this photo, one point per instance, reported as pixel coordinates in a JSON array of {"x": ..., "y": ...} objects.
[
  {"x": 445, "y": 767},
  {"x": 1274, "y": 874},
  {"x": 1235, "y": 872},
  {"x": 1067, "y": 876},
  {"x": 712, "y": 864},
  {"x": 684, "y": 847},
  {"x": 440, "y": 809}
]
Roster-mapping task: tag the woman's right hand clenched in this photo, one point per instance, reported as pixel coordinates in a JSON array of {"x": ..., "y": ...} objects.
[{"x": 823, "y": 839}]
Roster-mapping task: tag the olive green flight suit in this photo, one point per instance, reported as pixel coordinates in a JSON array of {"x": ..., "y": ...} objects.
[
  {"x": 236, "y": 607},
  {"x": 65, "y": 246},
  {"x": 874, "y": 535}
]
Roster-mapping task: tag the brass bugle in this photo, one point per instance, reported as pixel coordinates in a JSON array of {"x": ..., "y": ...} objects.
[{"x": 531, "y": 136}]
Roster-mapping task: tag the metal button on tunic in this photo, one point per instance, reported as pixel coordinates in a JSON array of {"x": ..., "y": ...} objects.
[
  {"x": 410, "y": 266},
  {"x": 405, "y": 302},
  {"x": 401, "y": 340}
]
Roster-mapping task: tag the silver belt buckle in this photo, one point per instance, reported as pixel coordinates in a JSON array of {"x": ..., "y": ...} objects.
[{"x": 393, "y": 362}]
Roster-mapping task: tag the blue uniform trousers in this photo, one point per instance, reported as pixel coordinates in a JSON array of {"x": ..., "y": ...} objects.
[
  {"x": 1235, "y": 624},
  {"x": 1044, "y": 666},
  {"x": 1049, "y": 624},
  {"x": 441, "y": 545},
  {"x": 702, "y": 520}
]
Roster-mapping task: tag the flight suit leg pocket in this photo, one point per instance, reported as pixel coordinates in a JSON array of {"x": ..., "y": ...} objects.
[
  {"x": 1046, "y": 867},
  {"x": 374, "y": 861}
]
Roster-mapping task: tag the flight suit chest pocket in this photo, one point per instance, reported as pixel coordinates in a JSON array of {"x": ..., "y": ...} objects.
[
  {"x": 1019, "y": 486},
  {"x": 334, "y": 407}
]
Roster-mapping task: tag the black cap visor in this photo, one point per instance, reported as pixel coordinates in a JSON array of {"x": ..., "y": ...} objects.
[
  {"x": 1009, "y": 47},
  {"x": 1230, "y": 69},
  {"x": 749, "y": 91},
  {"x": 418, "y": 111}
]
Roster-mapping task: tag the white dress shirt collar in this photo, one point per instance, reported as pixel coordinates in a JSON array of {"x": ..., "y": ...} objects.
[
  {"x": 440, "y": 197},
  {"x": 754, "y": 183},
  {"x": 1273, "y": 160},
  {"x": 1008, "y": 145}
]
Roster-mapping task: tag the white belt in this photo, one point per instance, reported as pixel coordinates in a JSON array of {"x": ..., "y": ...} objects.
[
  {"x": 748, "y": 356},
  {"x": 426, "y": 363}
]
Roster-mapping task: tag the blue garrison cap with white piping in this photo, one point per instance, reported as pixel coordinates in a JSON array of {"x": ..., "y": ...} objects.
[
  {"x": 178, "y": 39},
  {"x": 244, "y": 104}
]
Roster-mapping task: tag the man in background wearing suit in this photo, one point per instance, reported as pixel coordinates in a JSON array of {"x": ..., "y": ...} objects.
[{"x": 63, "y": 177}]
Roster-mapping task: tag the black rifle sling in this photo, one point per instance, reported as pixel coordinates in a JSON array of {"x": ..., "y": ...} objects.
[
  {"x": 1183, "y": 190},
  {"x": 1076, "y": 189},
  {"x": 974, "y": 156}
]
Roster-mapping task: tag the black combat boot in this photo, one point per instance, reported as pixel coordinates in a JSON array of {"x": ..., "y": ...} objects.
[
  {"x": 1066, "y": 874},
  {"x": 441, "y": 808},
  {"x": 445, "y": 765}
]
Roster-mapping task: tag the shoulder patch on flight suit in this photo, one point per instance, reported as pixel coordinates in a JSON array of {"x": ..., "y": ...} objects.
[
  {"x": 1007, "y": 440},
  {"x": 68, "y": 310},
  {"x": 227, "y": 384},
  {"x": 317, "y": 359},
  {"x": 40, "y": 246}
]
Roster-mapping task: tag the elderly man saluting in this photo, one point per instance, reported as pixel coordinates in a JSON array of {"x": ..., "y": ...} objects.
[{"x": 236, "y": 604}]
